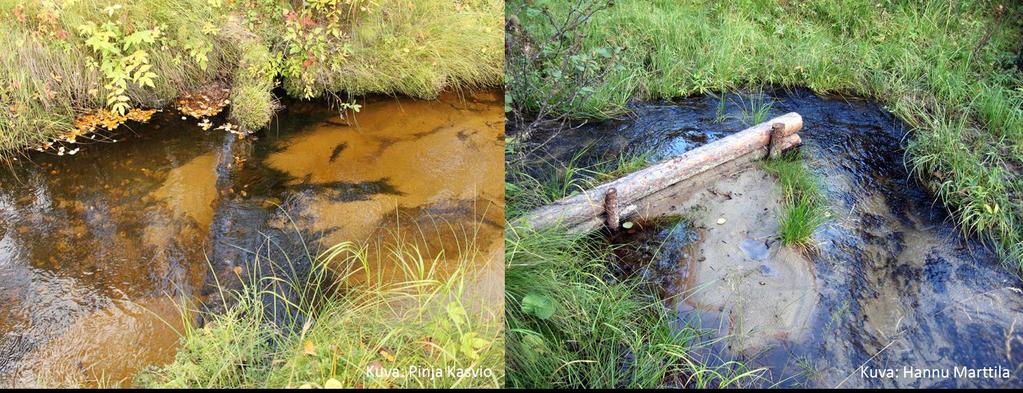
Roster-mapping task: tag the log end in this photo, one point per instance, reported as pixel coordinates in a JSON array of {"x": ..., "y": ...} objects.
[{"x": 793, "y": 122}]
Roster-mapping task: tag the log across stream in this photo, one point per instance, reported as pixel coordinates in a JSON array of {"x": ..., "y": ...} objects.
[
  {"x": 893, "y": 283},
  {"x": 581, "y": 212}
]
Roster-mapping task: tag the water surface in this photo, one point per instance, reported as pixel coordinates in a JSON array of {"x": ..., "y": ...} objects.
[{"x": 96, "y": 249}]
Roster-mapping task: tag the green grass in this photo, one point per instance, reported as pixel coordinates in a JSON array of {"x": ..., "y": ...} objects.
[
  {"x": 335, "y": 333},
  {"x": 526, "y": 191},
  {"x": 600, "y": 331},
  {"x": 50, "y": 71},
  {"x": 943, "y": 67},
  {"x": 570, "y": 322},
  {"x": 802, "y": 199},
  {"x": 756, "y": 110}
]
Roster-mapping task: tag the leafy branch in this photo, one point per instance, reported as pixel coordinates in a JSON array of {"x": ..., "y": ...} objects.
[
  {"x": 549, "y": 73},
  {"x": 122, "y": 60}
]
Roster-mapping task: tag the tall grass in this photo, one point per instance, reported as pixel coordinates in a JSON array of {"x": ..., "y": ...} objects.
[
  {"x": 343, "y": 325},
  {"x": 944, "y": 67},
  {"x": 528, "y": 189},
  {"x": 598, "y": 330}
]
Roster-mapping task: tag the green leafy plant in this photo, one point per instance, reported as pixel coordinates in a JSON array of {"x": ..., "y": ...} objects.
[{"x": 122, "y": 59}]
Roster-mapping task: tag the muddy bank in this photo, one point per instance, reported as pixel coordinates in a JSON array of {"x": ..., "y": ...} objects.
[
  {"x": 894, "y": 284},
  {"x": 89, "y": 242}
]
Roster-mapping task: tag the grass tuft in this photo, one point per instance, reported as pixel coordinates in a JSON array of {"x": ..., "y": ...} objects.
[
  {"x": 571, "y": 323},
  {"x": 802, "y": 198}
]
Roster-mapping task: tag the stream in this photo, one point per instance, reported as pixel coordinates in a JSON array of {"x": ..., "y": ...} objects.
[
  {"x": 894, "y": 295},
  {"x": 97, "y": 249}
]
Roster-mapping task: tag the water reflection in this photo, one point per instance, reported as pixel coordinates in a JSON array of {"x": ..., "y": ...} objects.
[{"x": 88, "y": 242}]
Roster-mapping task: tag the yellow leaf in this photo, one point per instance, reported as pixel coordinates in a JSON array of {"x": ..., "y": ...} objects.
[
  {"x": 332, "y": 384},
  {"x": 310, "y": 349}
]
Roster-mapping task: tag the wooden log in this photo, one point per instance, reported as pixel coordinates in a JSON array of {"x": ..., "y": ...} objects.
[
  {"x": 585, "y": 206},
  {"x": 641, "y": 206}
]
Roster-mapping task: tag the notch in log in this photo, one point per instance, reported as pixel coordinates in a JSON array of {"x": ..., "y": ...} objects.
[
  {"x": 775, "y": 144},
  {"x": 611, "y": 208}
]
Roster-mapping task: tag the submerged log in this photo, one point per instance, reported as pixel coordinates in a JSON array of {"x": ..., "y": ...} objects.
[{"x": 579, "y": 212}]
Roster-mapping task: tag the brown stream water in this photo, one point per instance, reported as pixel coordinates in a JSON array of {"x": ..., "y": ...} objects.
[{"x": 96, "y": 248}]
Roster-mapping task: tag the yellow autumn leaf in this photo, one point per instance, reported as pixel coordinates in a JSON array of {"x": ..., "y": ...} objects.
[
  {"x": 332, "y": 384},
  {"x": 310, "y": 348}
]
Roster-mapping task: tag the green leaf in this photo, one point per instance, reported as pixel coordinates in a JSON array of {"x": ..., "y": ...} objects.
[
  {"x": 534, "y": 345},
  {"x": 457, "y": 313},
  {"x": 539, "y": 306},
  {"x": 471, "y": 345}
]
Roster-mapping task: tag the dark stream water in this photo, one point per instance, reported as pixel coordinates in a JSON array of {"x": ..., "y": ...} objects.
[
  {"x": 96, "y": 248},
  {"x": 893, "y": 285}
]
